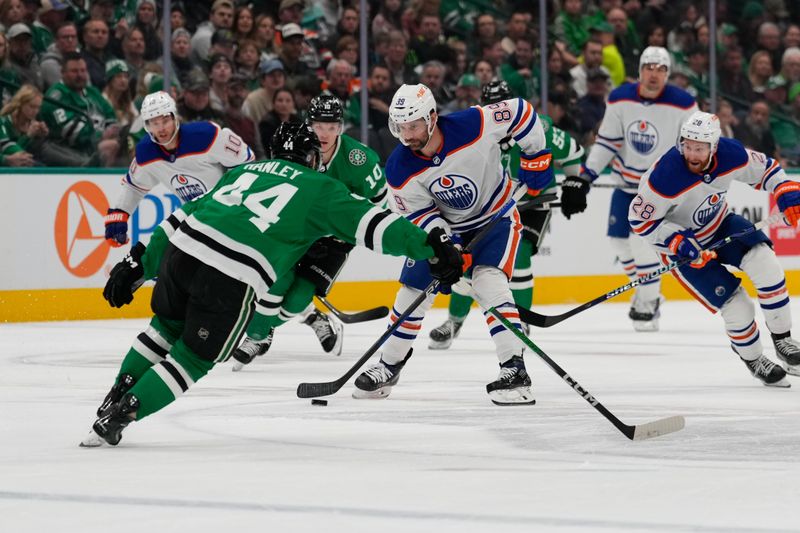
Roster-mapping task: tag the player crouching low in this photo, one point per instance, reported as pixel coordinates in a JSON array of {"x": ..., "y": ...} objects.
[{"x": 681, "y": 208}]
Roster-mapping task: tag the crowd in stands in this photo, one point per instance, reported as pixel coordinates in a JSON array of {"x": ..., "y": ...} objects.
[{"x": 73, "y": 72}]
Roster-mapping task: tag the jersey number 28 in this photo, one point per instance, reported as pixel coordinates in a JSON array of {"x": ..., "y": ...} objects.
[{"x": 265, "y": 216}]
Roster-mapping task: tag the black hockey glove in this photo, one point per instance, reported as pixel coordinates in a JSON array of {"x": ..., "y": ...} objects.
[
  {"x": 573, "y": 196},
  {"x": 125, "y": 278},
  {"x": 447, "y": 264}
]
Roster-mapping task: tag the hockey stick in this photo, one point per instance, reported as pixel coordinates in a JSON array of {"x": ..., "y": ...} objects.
[
  {"x": 354, "y": 318},
  {"x": 315, "y": 390},
  {"x": 649, "y": 430},
  {"x": 544, "y": 321},
  {"x": 626, "y": 188}
]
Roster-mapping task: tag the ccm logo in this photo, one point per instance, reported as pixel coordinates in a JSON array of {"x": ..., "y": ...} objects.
[{"x": 538, "y": 164}]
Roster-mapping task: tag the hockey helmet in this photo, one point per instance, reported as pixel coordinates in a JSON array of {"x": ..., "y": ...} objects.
[
  {"x": 159, "y": 104},
  {"x": 325, "y": 108},
  {"x": 495, "y": 91},
  {"x": 655, "y": 55},
  {"x": 702, "y": 127},
  {"x": 296, "y": 142},
  {"x": 410, "y": 103}
]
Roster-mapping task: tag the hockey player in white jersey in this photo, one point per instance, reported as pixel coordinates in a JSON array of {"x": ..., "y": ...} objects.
[
  {"x": 681, "y": 208},
  {"x": 188, "y": 160},
  {"x": 448, "y": 174},
  {"x": 641, "y": 123}
]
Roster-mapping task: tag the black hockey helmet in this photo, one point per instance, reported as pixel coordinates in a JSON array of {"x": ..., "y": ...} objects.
[
  {"x": 296, "y": 142},
  {"x": 325, "y": 108},
  {"x": 495, "y": 91}
]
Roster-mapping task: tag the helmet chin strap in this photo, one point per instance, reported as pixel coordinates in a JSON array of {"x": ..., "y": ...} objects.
[
  {"x": 431, "y": 128},
  {"x": 172, "y": 138}
]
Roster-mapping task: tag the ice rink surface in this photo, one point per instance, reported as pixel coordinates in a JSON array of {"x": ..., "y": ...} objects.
[{"x": 240, "y": 452}]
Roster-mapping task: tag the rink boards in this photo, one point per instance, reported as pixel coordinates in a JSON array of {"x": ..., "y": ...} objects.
[{"x": 55, "y": 260}]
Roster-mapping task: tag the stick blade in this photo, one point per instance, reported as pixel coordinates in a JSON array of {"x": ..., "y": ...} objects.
[
  {"x": 316, "y": 390},
  {"x": 364, "y": 316},
  {"x": 658, "y": 428}
]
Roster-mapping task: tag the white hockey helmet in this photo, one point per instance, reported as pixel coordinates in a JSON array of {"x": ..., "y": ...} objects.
[
  {"x": 159, "y": 104},
  {"x": 701, "y": 127},
  {"x": 655, "y": 55},
  {"x": 410, "y": 103}
]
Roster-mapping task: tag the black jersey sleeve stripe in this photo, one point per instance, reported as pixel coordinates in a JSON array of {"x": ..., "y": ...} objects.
[
  {"x": 369, "y": 235},
  {"x": 378, "y": 198}
]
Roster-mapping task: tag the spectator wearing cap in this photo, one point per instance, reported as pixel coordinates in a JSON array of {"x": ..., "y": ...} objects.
[
  {"x": 776, "y": 92},
  {"x": 94, "y": 51},
  {"x": 612, "y": 59},
  {"x": 177, "y": 16},
  {"x": 283, "y": 110},
  {"x": 219, "y": 75},
  {"x": 291, "y": 12},
  {"x": 571, "y": 26},
  {"x": 592, "y": 105},
  {"x": 728, "y": 37},
  {"x": 222, "y": 42},
  {"x": 754, "y": 130},
  {"x": 592, "y": 59},
  {"x": 221, "y": 18},
  {"x": 181, "y": 49},
  {"x": 240, "y": 123},
  {"x": 21, "y": 57},
  {"x": 50, "y": 62},
  {"x": 50, "y": 16},
  {"x": 259, "y": 102},
  {"x": 291, "y": 51},
  {"x": 468, "y": 94},
  {"x": 117, "y": 92},
  {"x": 194, "y": 104}
]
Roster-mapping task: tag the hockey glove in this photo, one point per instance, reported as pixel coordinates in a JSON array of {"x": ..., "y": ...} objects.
[
  {"x": 684, "y": 245},
  {"x": 787, "y": 196},
  {"x": 125, "y": 278},
  {"x": 446, "y": 265},
  {"x": 116, "y": 227},
  {"x": 573, "y": 195},
  {"x": 536, "y": 171}
]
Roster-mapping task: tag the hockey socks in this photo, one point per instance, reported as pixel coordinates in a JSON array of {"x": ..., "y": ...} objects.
[
  {"x": 522, "y": 280},
  {"x": 150, "y": 347}
]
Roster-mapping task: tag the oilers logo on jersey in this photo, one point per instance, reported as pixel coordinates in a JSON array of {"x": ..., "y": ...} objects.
[
  {"x": 708, "y": 209},
  {"x": 187, "y": 187},
  {"x": 455, "y": 191},
  {"x": 642, "y": 136}
]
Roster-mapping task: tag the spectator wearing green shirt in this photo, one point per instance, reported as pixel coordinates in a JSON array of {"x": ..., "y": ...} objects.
[
  {"x": 19, "y": 129},
  {"x": 518, "y": 70},
  {"x": 571, "y": 26}
]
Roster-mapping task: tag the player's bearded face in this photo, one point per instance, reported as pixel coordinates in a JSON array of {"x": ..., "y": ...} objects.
[
  {"x": 414, "y": 134},
  {"x": 162, "y": 127},
  {"x": 327, "y": 132},
  {"x": 697, "y": 155}
]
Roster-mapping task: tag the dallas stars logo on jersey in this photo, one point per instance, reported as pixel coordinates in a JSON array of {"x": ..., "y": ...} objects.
[{"x": 357, "y": 157}]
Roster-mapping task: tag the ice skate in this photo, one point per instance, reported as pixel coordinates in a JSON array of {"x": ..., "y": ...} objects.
[
  {"x": 768, "y": 372},
  {"x": 513, "y": 385},
  {"x": 645, "y": 314},
  {"x": 108, "y": 429},
  {"x": 123, "y": 385},
  {"x": 329, "y": 331},
  {"x": 788, "y": 351},
  {"x": 377, "y": 381},
  {"x": 442, "y": 337},
  {"x": 250, "y": 349}
]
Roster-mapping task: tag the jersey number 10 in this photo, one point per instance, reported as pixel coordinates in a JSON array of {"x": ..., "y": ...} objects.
[{"x": 265, "y": 216}]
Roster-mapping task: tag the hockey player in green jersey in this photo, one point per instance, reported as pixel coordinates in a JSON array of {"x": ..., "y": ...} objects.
[
  {"x": 567, "y": 154},
  {"x": 218, "y": 255},
  {"x": 358, "y": 168},
  {"x": 92, "y": 132}
]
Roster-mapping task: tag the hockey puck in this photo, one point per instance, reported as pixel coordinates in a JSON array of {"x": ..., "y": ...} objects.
[{"x": 319, "y": 402}]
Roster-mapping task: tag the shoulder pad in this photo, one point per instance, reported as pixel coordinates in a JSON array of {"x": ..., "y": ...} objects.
[{"x": 626, "y": 91}]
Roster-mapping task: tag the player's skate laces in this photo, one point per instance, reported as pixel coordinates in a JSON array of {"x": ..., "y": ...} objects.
[
  {"x": 788, "y": 351},
  {"x": 108, "y": 429},
  {"x": 328, "y": 331},
  {"x": 250, "y": 349},
  {"x": 442, "y": 337},
  {"x": 768, "y": 372},
  {"x": 513, "y": 385},
  {"x": 123, "y": 385},
  {"x": 377, "y": 381},
  {"x": 645, "y": 315}
]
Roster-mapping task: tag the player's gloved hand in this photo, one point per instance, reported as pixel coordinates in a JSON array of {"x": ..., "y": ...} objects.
[
  {"x": 787, "y": 196},
  {"x": 125, "y": 278},
  {"x": 573, "y": 195},
  {"x": 116, "y": 227},
  {"x": 684, "y": 245},
  {"x": 536, "y": 171},
  {"x": 447, "y": 263}
]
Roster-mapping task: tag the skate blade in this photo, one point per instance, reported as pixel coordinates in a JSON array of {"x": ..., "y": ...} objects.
[
  {"x": 237, "y": 366},
  {"x": 518, "y": 396},
  {"x": 782, "y": 383},
  {"x": 793, "y": 370},
  {"x": 439, "y": 345},
  {"x": 379, "y": 394},
  {"x": 92, "y": 440}
]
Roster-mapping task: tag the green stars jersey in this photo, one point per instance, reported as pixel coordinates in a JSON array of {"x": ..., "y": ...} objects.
[
  {"x": 261, "y": 218},
  {"x": 359, "y": 168},
  {"x": 11, "y": 141},
  {"x": 80, "y": 131}
]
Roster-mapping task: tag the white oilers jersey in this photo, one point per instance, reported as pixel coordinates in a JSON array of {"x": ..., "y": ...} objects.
[
  {"x": 463, "y": 184},
  {"x": 205, "y": 152},
  {"x": 636, "y": 131},
  {"x": 672, "y": 198}
]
